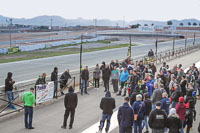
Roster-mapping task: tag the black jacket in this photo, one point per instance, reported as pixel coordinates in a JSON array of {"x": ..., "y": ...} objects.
[
  {"x": 174, "y": 124},
  {"x": 107, "y": 104},
  {"x": 9, "y": 84},
  {"x": 148, "y": 106},
  {"x": 64, "y": 78},
  {"x": 85, "y": 74},
  {"x": 176, "y": 95},
  {"x": 54, "y": 76},
  {"x": 106, "y": 74},
  {"x": 71, "y": 100},
  {"x": 157, "y": 119},
  {"x": 134, "y": 81}
]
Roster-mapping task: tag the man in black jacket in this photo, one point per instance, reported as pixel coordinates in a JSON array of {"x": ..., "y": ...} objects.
[
  {"x": 70, "y": 101},
  {"x": 63, "y": 80},
  {"x": 107, "y": 105},
  {"x": 176, "y": 95},
  {"x": 106, "y": 77},
  {"x": 85, "y": 78},
  {"x": 54, "y": 78},
  {"x": 157, "y": 119}
]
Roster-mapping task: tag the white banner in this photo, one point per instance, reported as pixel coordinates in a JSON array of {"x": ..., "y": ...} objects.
[{"x": 44, "y": 92}]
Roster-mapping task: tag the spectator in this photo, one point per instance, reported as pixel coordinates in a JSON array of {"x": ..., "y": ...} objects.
[
  {"x": 106, "y": 77},
  {"x": 151, "y": 53},
  {"x": 157, "y": 116},
  {"x": 54, "y": 78},
  {"x": 9, "y": 82},
  {"x": 70, "y": 101},
  {"x": 134, "y": 81},
  {"x": 63, "y": 80},
  {"x": 183, "y": 85},
  {"x": 153, "y": 68},
  {"x": 85, "y": 78},
  {"x": 148, "y": 108},
  {"x": 165, "y": 103},
  {"x": 41, "y": 79},
  {"x": 124, "y": 64},
  {"x": 123, "y": 79},
  {"x": 180, "y": 110},
  {"x": 107, "y": 105},
  {"x": 150, "y": 85},
  {"x": 157, "y": 95},
  {"x": 133, "y": 96},
  {"x": 96, "y": 76},
  {"x": 29, "y": 100},
  {"x": 175, "y": 95},
  {"x": 173, "y": 122},
  {"x": 117, "y": 63},
  {"x": 139, "y": 110},
  {"x": 125, "y": 117},
  {"x": 115, "y": 79}
]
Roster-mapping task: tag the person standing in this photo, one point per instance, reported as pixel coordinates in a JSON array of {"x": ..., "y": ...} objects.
[
  {"x": 123, "y": 79},
  {"x": 125, "y": 117},
  {"x": 9, "y": 82},
  {"x": 29, "y": 100},
  {"x": 115, "y": 79},
  {"x": 180, "y": 110},
  {"x": 54, "y": 78},
  {"x": 96, "y": 76},
  {"x": 106, "y": 77},
  {"x": 157, "y": 119},
  {"x": 148, "y": 108},
  {"x": 63, "y": 80},
  {"x": 150, "y": 53},
  {"x": 70, "y": 101},
  {"x": 157, "y": 95},
  {"x": 107, "y": 105},
  {"x": 85, "y": 78},
  {"x": 165, "y": 103},
  {"x": 173, "y": 122},
  {"x": 139, "y": 110}
]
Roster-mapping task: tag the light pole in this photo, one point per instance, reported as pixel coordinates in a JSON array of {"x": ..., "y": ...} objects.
[
  {"x": 81, "y": 50},
  {"x": 194, "y": 39},
  {"x": 130, "y": 45},
  {"x": 156, "y": 45},
  {"x": 185, "y": 42},
  {"x": 173, "y": 45},
  {"x": 10, "y": 32}
]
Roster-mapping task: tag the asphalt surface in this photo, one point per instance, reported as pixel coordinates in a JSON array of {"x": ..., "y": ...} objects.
[
  {"x": 49, "y": 118},
  {"x": 31, "y": 69}
]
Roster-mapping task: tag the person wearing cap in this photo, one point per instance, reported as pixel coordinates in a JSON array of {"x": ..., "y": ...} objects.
[
  {"x": 148, "y": 108},
  {"x": 173, "y": 122},
  {"x": 70, "y": 101},
  {"x": 180, "y": 110},
  {"x": 54, "y": 78},
  {"x": 165, "y": 103},
  {"x": 139, "y": 110},
  {"x": 157, "y": 119},
  {"x": 29, "y": 100},
  {"x": 125, "y": 117}
]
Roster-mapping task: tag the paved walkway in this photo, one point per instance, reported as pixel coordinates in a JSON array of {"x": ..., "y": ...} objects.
[{"x": 48, "y": 119}]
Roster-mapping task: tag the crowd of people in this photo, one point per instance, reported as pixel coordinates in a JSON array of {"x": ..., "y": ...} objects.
[{"x": 162, "y": 99}]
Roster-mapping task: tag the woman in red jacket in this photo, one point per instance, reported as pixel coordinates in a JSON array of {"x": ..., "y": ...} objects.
[{"x": 180, "y": 110}]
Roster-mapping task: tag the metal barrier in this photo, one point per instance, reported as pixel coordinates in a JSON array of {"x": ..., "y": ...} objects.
[{"x": 10, "y": 102}]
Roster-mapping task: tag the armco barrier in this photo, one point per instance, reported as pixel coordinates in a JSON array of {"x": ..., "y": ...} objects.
[{"x": 159, "y": 58}]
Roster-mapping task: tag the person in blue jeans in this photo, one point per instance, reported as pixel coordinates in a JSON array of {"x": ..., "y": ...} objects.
[
  {"x": 9, "y": 89},
  {"x": 138, "y": 109},
  {"x": 85, "y": 78},
  {"x": 29, "y": 100},
  {"x": 107, "y": 105}
]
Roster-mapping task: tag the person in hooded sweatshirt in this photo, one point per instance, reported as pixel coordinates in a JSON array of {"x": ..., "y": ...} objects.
[
  {"x": 70, "y": 101},
  {"x": 125, "y": 117},
  {"x": 180, "y": 110},
  {"x": 107, "y": 105},
  {"x": 29, "y": 100},
  {"x": 174, "y": 122}
]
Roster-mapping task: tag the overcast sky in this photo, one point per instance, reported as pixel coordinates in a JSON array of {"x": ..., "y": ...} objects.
[{"x": 161, "y": 10}]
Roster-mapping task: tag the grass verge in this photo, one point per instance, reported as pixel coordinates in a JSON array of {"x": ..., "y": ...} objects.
[{"x": 20, "y": 56}]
